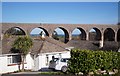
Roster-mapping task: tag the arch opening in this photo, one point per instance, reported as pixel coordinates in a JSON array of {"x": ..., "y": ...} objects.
[
  {"x": 15, "y": 31},
  {"x": 61, "y": 34},
  {"x": 118, "y": 35},
  {"x": 38, "y": 31},
  {"x": 94, "y": 34},
  {"x": 78, "y": 34},
  {"x": 109, "y": 35}
]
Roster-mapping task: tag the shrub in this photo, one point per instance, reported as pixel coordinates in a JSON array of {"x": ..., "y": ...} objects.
[{"x": 86, "y": 61}]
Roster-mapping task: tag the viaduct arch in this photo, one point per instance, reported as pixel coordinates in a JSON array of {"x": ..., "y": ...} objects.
[
  {"x": 13, "y": 31},
  {"x": 44, "y": 29},
  {"x": 83, "y": 32},
  {"x": 103, "y": 32}
]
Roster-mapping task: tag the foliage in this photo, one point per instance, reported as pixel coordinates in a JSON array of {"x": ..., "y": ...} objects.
[
  {"x": 22, "y": 44},
  {"x": 7, "y": 35},
  {"x": 86, "y": 61},
  {"x": 14, "y": 31},
  {"x": 55, "y": 35}
]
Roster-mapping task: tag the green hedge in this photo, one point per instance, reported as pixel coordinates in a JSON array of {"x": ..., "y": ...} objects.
[{"x": 86, "y": 61}]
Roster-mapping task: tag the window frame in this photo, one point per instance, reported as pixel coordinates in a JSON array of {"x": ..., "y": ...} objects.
[{"x": 11, "y": 60}]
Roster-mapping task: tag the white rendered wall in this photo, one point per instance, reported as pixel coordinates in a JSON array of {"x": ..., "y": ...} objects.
[
  {"x": 4, "y": 68},
  {"x": 43, "y": 59},
  {"x": 3, "y": 64},
  {"x": 36, "y": 63},
  {"x": 66, "y": 54},
  {"x": 32, "y": 63},
  {"x": 29, "y": 62}
]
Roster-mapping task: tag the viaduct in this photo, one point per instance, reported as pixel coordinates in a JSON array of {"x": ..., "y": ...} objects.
[{"x": 103, "y": 32}]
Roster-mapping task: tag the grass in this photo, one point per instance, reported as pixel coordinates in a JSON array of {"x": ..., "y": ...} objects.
[{"x": 51, "y": 73}]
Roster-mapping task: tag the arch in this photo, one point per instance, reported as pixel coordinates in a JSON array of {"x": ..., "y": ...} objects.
[
  {"x": 66, "y": 34},
  {"x": 46, "y": 32},
  {"x": 38, "y": 30},
  {"x": 15, "y": 31},
  {"x": 109, "y": 35},
  {"x": 94, "y": 34},
  {"x": 118, "y": 35},
  {"x": 81, "y": 35}
]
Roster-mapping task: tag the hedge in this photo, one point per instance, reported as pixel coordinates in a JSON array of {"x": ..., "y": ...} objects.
[{"x": 86, "y": 61}]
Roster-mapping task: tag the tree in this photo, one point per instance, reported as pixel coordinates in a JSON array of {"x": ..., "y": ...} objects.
[
  {"x": 15, "y": 31},
  {"x": 23, "y": 44},
  {"x": 55, "y": 35}
]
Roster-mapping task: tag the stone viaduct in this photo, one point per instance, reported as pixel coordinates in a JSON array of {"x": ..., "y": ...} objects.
[
  {"x": 104, "y": 33},
  {"x": 102, "y": 30}
]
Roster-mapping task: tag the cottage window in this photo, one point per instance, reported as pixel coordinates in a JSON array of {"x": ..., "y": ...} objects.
[
  {"x": 13, "y": 59},
  {"x": 9, "y": 59}
]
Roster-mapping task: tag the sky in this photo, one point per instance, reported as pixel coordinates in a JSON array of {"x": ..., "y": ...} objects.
[
  {"x": 60, "y": 0},
  {"x": 60, "y": 12},
  {"x": 0, "y": 18}
]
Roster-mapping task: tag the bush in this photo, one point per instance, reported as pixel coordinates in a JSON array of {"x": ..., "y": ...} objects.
[{"x": 86, "y": 61}]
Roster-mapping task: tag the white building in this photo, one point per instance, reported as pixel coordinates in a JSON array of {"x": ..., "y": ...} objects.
[{"x": 38, "y": 57}]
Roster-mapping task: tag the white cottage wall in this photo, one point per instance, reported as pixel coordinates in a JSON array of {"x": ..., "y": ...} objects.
[
  {"x": 66, "y": 54},
  {"x": 29, "y": 62},
  {"x": 3, "y": 64},
  {"x": 12, "y": 68},
  {"x": 4, "y": 67},
  {"x": 45, "y": 58},
  {"x": 36, "y": 63},
  {"x": 42, "y": 61},
  {"x": 32, "y": 63}
]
